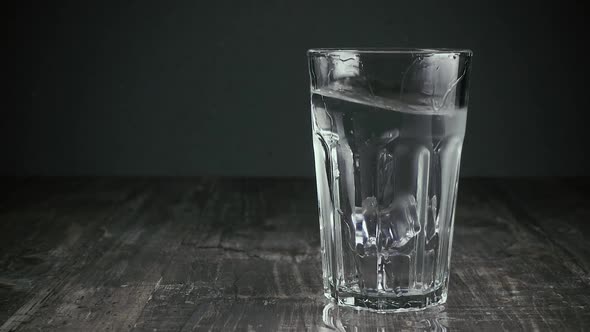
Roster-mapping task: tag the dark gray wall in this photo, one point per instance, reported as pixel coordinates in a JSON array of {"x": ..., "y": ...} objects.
[{"x": 193, "y": 87}]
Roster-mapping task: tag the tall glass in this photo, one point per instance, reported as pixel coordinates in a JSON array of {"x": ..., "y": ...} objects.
[{"x": 388, "y": 127}]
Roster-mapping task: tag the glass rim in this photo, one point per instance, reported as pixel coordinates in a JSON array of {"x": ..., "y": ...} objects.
[{"x": 392, "y": 50}]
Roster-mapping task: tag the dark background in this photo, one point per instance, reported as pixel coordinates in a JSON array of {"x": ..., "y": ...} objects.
[{"x": 190, "y": 88}]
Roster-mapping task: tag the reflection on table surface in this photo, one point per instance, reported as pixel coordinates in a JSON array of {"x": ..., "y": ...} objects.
[{"x": 340, "y": 318}]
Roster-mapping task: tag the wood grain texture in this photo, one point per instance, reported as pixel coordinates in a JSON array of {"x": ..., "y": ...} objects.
[{"x": 206, "y": 254}]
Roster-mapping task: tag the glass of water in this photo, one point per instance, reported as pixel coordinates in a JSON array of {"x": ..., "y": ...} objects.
[{"x": 388, "y": 128}]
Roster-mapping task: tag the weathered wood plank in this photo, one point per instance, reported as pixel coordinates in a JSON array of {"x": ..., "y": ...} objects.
[
  {"x": 110, "y": 292},
  {"x": 243, "y": 254},
  {"x": 28, "y": 233},
  {"x": 559, "y": 211},
  {"x": 64, "y": 235},
  {"x": 504, "y": 277}
]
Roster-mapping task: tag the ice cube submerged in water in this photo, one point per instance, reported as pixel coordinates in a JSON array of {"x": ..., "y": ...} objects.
[{"x": 387, "y": 173}]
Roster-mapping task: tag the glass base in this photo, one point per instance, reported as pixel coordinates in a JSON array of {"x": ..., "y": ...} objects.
[{"x": 388, "y": 303}]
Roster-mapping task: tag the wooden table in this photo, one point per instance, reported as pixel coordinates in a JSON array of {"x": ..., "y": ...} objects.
[{"x": 172, "y": 254}]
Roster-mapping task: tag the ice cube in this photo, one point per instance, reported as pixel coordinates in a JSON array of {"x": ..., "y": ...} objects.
[
  {"x": 371, "y": 212},
  {"x": 399, "y": 222},
  {"x": 345, "y": 65},
  {"x": 360, "y": 227},
  {"x": 388, "y": 137},
  {"x": 370, "y": 206},
  {"x": 364, "y": 220}
]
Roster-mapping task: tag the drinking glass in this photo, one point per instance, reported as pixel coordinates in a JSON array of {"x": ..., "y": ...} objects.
[{"x": 388, "y": 128}]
